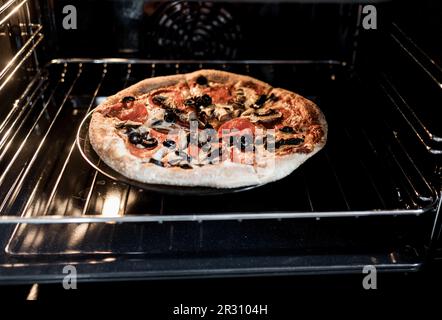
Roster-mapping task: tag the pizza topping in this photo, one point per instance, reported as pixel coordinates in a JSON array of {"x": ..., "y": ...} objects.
[
  {"x": 173, "y": 158},
  {"x": 128, "y": 125},
  {"x": 170, "y": 116},
  {"x": 132, "y": 111},
  {"x": 176, "y": 115},
  {"x": 201, "y": 101},
  {"x": 169, "y": 144},
  {"x": 289, "y": 142},
  {"x": 264, "y": 115},
  {"x": 156, "y": 162},
  {"x": 184, "y": 156},
  {"x": 261, "y": 100},
  {"x": 287, "y": 129},
  {"x": 239, "y": 112},
  {"x": 156, "y": 123},
  {"x": 218, "y": 94},
  {"x": 169, "y": 97},
  {"x": 127, "y": 99},
  {"x": 221, "y": 113},
  {"x": 159, "y": 100},
  {"x": 236, "y": 127},
  {"x": 207, "y": 112},
  {"x": 149, "y": 143},
  {"x": 142, "y": 140},
  {"x": 135, "y": 138},
  {"x": 265, "y": 112},
  {"x": 201, "y": 80},
  {"x": 240, "y": 98}
]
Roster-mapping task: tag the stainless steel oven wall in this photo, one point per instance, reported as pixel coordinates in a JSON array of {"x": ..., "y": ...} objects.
[{"x": 20, "y": 36}]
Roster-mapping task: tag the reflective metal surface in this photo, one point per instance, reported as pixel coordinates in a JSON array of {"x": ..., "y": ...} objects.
[
  {"x": 369, "y": 198},
  {"x": 365, "y": 169}
]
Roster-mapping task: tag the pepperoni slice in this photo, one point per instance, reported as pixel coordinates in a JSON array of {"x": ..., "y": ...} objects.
[
  {"x": 174, "y": 93},
  {"x": 238, "y": 126},
  {"x": 219, "y": 94},
  {"x": 145, "y": 153},
  {"x": 140, "y": 152},
  {"x": 134, "y": 111}
]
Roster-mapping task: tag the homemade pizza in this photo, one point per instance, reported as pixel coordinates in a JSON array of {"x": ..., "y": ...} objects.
[{"x": 207, "y": 128}]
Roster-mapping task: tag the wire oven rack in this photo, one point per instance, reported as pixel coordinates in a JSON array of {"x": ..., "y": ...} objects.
[
  {"x": 53, "y": 205},
  {"x": 363, "y": 170}
]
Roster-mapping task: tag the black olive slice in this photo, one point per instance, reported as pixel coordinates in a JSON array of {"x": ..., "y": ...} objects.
[
  {"x": 203, "y": 101},
  {"x": 170, "y": 116},
  {"x": 183, "y": 155},
  {"x": 157, "y": 122},
  {"x": 169, "y": 144},
  {"x": 289, "y": 142},
  {"x": 293, "y": 141},
  {"x": 206, "y": 100},
  {"x": 149, "y": 143},
  {"x": 287, "y": 129},
  {"x": 185, "y": 166},
  {"x": 135, "y": 138},
  {"x": 273, "y": 98},
  {"x": 201, "y": 80},
  {"x": 128, "y": 99},
  {"x": 157, "y": 162},
  {"x": 261, "y": 100},
  {"x": 189, "y": 102},
  {"x": 158, "y": 100}
]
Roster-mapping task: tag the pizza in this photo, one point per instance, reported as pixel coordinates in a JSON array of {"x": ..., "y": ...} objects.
[{"x": 207, "y": 128}]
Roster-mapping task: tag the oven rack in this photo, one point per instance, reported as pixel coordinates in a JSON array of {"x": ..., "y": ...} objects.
[{"x": 44, "y": 179}]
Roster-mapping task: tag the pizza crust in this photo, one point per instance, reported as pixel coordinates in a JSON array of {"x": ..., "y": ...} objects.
[
  {"x": 141, "y": 88},
  {"x": 112, "y": 150},
  {"x": 225, "y": 77}
]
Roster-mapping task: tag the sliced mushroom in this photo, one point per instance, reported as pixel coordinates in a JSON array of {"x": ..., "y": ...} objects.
[
  {"x": 236, "y": 113},
  {"x": 221, "y": 113},
  {"x": 127, "y": 124},
  {"x": 248, "y": 112},
  {"x": 228, "y": 107},
  {"x": 268, "y": 117},
  {"x": 208, "y": 111},
  {"x": 264, "y": 112}
]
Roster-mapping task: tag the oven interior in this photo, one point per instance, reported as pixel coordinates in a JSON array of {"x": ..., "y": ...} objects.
[{"x": 370, "y": 197}]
